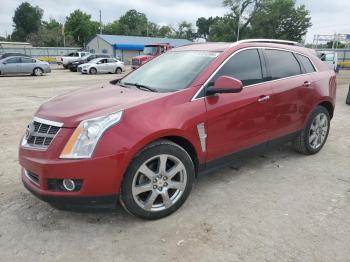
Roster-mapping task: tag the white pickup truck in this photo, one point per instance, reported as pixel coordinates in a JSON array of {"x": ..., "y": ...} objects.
[{"x": 71, "y": 57}]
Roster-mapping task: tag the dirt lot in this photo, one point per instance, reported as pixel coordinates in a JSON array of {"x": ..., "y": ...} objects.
[{"x": 279, "y": 206}]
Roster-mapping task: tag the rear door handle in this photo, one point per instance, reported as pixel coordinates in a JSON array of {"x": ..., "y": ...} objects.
[
  {"x": 307, "y": 84},
  {"x": 263, "y": 99}
]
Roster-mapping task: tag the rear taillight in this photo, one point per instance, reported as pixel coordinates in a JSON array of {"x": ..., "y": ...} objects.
[{"x": 61, "y": 59}]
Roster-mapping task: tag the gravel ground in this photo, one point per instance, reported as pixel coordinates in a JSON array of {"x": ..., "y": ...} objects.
[{"x": 277, "y": 206}]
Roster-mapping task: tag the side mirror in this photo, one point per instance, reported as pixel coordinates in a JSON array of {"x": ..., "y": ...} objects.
[{"x": 225, "y": 84}]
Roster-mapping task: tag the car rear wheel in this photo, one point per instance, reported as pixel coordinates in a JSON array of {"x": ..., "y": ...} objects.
[
  {"x": 158, "y": 181},
  {"x": 38, "y": 71},
  {"x": 118, "y": 70},
  {"x": 314, "y": 136},
  {"x": 93, "y": 71}
]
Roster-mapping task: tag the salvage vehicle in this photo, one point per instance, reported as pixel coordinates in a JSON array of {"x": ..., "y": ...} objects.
[
  {"x": 102, "y": 65},
  {"x": 65, "y": 60},
  {"x": 23, "y": 65},
  {"x": 149, "y": 52},
  {"x": 73, "y": 66},
  {"x": 143, "y": 139}
]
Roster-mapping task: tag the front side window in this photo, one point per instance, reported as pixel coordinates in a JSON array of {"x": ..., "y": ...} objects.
[
  {"x": 13, "y": 60},
  {"x": 282, "y": 64},
  {"x": 175, "y": 70},
  {"x": 245, "y": 66}
]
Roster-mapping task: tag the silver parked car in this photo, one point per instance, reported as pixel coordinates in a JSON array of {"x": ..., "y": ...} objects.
[
  {"x": 23, "y": 65},
  {"x": 102, "y": 65}
]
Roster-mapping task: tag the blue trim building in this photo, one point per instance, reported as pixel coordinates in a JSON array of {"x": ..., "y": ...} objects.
[{"x": 126, "y": 47}]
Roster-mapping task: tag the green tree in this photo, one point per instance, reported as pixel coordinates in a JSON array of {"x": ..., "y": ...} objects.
[
  {"x": 133, "y": 23},
  {"x": 203, "y": 25},
  {"x": 223, "y": 29},
  {"x": 27, "y": 20},
  {"x": 165, "y": 31},
  {"x": 184, "y": 30},
  {"x": 281, "y": 19},
  {"x": 242, "y": 12},
  {"x": 113, "y": 28},
  {"x": 80, "y": 26}
]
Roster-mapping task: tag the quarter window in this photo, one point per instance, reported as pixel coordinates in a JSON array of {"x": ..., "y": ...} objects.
[
  {"x": 308, "y": 66},
  {"x": 245, "y": 66},
  {"x": 282, "y": 64}
]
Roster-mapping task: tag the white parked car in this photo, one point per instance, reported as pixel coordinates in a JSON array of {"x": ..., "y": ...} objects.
[{"x": 102, "y": 65}]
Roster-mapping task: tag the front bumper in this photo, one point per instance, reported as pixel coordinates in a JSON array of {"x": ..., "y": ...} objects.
[{"x": 100, "y": 176}]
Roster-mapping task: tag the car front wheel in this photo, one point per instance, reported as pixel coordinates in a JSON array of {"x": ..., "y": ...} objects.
[
  {"x": 314, "y": 136},
  {"x": 38, "y": 71},
  {"x": 158, "y": 181}
]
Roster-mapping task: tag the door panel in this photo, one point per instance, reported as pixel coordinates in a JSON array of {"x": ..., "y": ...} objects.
[
  {"x": 238, "y": 121},
  {"x": 12, "y": 66},
  {"x": 291, "y": 104}
]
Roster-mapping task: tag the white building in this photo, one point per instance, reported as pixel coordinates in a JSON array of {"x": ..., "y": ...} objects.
[{"x": 127, "y": 47}]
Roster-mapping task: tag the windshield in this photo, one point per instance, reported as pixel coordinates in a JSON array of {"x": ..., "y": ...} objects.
[
  {"x": 150, "y": 50},
  {"x": 171, "y": 71}
]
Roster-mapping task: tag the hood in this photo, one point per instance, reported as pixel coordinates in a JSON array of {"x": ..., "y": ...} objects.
[
  {"x": 143, "y": 57},
  {"x": 70, "y": 109}
]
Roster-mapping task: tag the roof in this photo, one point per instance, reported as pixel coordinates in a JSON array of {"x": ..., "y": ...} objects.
[
  {"x": 14, "y": 43},
  {"x": 209, "y": 46},
  {"x": 141, "y": 40}
]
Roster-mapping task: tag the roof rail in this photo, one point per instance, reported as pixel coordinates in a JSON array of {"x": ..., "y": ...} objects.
[{"x": 275, "y": 41}]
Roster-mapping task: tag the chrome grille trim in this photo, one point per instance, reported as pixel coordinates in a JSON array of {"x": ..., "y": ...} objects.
[
  {"x": 32, "y": 177},
  {"x": 40, "y": 133}
]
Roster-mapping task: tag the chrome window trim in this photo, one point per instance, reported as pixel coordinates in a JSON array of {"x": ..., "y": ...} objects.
[{"x": 248, "y": 48}]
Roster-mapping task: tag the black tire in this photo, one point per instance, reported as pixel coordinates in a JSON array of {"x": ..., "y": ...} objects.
[
  {"x": 38, "y": 71},
  {"x": 118, "y": 70},
  {"x": 302, "y": 143},
  {"x": 93, "y": 71},
  {"x": 150, "y": 152},
  {"x": 65, "y": 67}
]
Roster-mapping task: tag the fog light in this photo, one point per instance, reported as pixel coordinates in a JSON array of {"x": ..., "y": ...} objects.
[{"x": 68, "y": 184}]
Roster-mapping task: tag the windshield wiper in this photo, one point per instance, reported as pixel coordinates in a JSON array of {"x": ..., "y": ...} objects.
[{"x": 142, "y": 87}]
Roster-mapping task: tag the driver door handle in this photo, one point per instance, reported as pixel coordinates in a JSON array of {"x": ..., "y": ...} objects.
[
  {"x": 263, "y": 99},
  {"x": 307, "y": 84}
]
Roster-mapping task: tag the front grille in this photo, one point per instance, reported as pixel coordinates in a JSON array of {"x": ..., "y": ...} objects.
[
  {"x": 135, "y": 62},
  {"x": 32, "y": 177},
  {"x": 40, "y": 133}
]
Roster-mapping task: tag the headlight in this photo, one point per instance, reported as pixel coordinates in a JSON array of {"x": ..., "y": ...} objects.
[{"x": 83, "y": 141}]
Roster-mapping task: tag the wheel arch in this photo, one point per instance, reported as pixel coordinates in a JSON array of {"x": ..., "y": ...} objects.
[{"x": 329, "y": 106}]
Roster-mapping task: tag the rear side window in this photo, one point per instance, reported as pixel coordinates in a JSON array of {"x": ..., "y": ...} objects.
[
  {"x": 282, "y": 64},
  {"x": 27, "y": 60},
  {"x": 245, "y": 66},
  {"x": 308, "y": 66}
]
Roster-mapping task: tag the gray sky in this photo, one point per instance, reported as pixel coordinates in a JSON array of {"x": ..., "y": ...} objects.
[{"x": 328, "y": 17}]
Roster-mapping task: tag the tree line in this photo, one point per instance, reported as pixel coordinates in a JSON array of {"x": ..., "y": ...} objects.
[{"x": 278, "y": 19}]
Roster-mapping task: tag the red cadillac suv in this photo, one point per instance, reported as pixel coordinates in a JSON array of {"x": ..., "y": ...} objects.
[{"x": 143, "y": 139}]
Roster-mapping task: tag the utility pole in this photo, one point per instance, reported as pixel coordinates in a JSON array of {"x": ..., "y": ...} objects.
[
  {"x": 100, "y": 23},
  {"x": 239, "y": 18}
]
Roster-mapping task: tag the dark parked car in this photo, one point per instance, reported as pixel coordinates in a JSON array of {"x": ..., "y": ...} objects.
[
  {"x": 143, "y": 139},
  {"x": 5, "y": 55},
  {"x": 74, "y": 65}
]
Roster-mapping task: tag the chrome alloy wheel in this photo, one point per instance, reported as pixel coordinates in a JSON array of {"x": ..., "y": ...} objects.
[
  {"x": 38, "y": 72},
  {"x": 318, "y": 131},
  {"x": 159, "y": 183}
]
